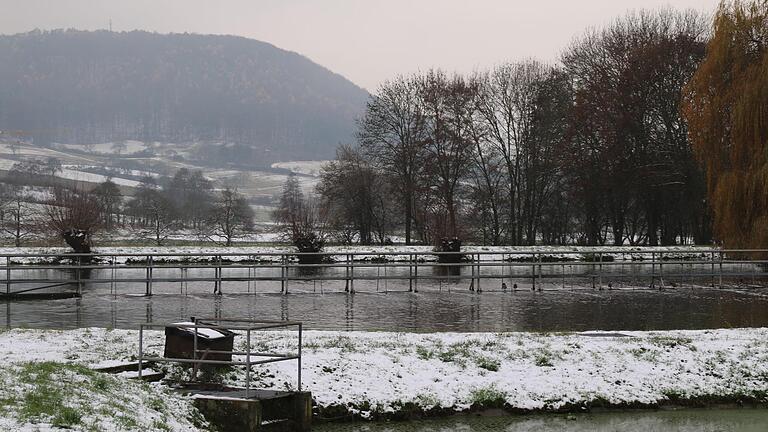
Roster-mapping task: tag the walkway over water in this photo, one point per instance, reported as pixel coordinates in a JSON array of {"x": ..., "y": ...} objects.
[
  {"x": 611, "y": 289},
  {"x": 476, "y": 270}
]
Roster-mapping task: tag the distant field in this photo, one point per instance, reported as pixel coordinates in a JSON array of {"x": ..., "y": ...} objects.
[
  {"x": 309, "y": 168},
  {"x": 260, "y": 186}
]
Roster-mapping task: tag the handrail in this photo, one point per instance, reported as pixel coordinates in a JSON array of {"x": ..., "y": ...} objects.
[
  {"x": 500, "y": 263},
  {"x": 510, "y": 250}
]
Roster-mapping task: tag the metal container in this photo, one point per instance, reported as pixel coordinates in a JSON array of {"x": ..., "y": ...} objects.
[{"x": 180, "y": 342}]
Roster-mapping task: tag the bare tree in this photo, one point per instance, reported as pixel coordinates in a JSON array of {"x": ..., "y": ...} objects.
[
  {"x": 158, "y": 219},
  {"x": 356, "y": 197},
  {"x": 118, "y": 147},
  {"x": 75, "y": 216},
  {"x": 230, "y": 216},
  {"x": 448, "y": 105},
  {"x": 506, "y": 105},
  {"x": 392, "y": 134},
  {"x": 630, "y": 141},
  {"x": 300, "y": 220},
  {"x": 110, "y": 200},
  {"x": 17, "y": 214},
  {"x": 52, "y": 166}
]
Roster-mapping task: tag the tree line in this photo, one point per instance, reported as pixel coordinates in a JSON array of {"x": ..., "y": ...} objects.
[
  {"x": 593, "y": 150},
  {"x": 187, "y": 202}
]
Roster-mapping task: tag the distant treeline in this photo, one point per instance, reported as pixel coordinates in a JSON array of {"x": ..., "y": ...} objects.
[
  {"x": 158, "y": 209},
  {"x": 264, "y": 103},
  {"x": 593, "y": 150}
]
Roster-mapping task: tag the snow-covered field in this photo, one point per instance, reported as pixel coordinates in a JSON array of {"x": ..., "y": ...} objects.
[
  {"x": 72, "y": 174},
  {"x": 127, "y": 147},
  {"x": 377, "y": 374},
  {"x": 77, "y": 158},
  {"x": 310, "y": 168}
]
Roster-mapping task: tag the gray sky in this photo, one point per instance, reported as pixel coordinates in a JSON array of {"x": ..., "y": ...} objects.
[{"x": 366, "y": 41}]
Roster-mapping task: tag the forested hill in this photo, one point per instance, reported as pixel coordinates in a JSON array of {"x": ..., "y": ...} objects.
[{"x": 264, "y": 102}]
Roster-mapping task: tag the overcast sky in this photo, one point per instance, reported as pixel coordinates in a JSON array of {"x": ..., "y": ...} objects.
[{"x": 366, "y": 41}]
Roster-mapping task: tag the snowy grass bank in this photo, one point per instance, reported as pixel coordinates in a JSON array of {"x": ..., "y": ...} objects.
[
  {"x": 41, "y": 396},
  {"x": 396, "y": 375}
]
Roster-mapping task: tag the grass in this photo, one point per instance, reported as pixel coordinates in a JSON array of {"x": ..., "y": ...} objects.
[
  {"x": 488, "y": 397},
  {"x": 71, "y": 396},
  {"x": 45, "y": 399},
  {"x": 543, "y": 359},
  {"x": 345, "y": 343},
  {"x": 672, "y": 342},
  {"x": 488, "y": 363},
  {"x": 424, "y": 353}
]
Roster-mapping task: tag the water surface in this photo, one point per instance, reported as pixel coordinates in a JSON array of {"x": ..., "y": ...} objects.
[{"x": 715, "y": 420}]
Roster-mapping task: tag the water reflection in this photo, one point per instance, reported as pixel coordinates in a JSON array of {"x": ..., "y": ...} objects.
[
  {"x": 427, "y": 310},
  {"x": 689, "y": 420},
  {"x": 566, "y": 302}
]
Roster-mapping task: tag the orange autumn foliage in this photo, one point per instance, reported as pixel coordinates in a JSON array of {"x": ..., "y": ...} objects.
[{"x": 726, "y": 107}]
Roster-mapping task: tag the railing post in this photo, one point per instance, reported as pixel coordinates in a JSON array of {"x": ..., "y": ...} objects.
[
  {"x": 249, "y": 273},
  {"x": 472, "y": 268},
  {"x": 661, "y": 269},
  {"x": 653, "y": 269},
  {"x": 599, "y": 271},
  {"x": 141, "y": 347},
  {"x": 79, "y": 274},
  {"x": 8, "y": 275},
  {"x": 351, "y": 273},
  {"x": 533, "y": 275},
  {"x": 248, "y": 363},
  {"x": 195, "y": 365},
  {"x": 541, "y": 272},
  {"x": 299, "y": 359},
  {"x": 479, "y": 269},
  {"x": 218, "y": 274},
  {"x": 112, "y": 276},
  {"x": 721, "y": 270},
  {"x": 148, "y": 288},
  {"x": 410, "y": 273},
  {"x": 416, "y": 274},
  {"x": 285, "y": 274}
]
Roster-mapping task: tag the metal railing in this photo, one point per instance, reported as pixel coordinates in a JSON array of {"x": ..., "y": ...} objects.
[
  {"x": 246, "y": 325},
  {"x": 246, "y": 268}
]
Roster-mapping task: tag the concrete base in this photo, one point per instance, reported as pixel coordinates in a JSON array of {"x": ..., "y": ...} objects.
[{"x": 228, "y": 409}]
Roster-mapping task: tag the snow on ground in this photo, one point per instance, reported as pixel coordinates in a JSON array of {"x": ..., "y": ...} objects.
[
  {"x": 7, "y": 164},
  {"x": 375, "y": 373},
  {"x": 310, "y": 168},
  {"x": 70, "y": 172},
  {"x": 83, "y": 176},
  {"x": 57, "y": 396},
  {"x": 258, "y": 183},
  {"x": 107, "y": 148},
  {"x": 259, "y": 236}
]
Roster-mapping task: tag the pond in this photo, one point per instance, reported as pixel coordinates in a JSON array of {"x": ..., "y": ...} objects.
[{"x": 564, "y": 305}]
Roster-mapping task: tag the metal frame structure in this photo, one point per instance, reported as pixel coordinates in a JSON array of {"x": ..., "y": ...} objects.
[
  {"x": 246, "y": 325},
  {"x": 535, "y": 260}
]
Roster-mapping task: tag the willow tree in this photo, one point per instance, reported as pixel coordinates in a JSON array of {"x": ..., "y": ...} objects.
[{"x": 726, "y": 106}]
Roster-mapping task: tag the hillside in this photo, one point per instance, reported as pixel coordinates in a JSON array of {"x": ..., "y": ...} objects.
[{"x": 239, "y": 100}]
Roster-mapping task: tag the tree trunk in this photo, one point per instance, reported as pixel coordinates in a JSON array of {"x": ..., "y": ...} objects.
[
  {"x": 408, "y": 215},
  {"x": 78, "y": 240}
]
